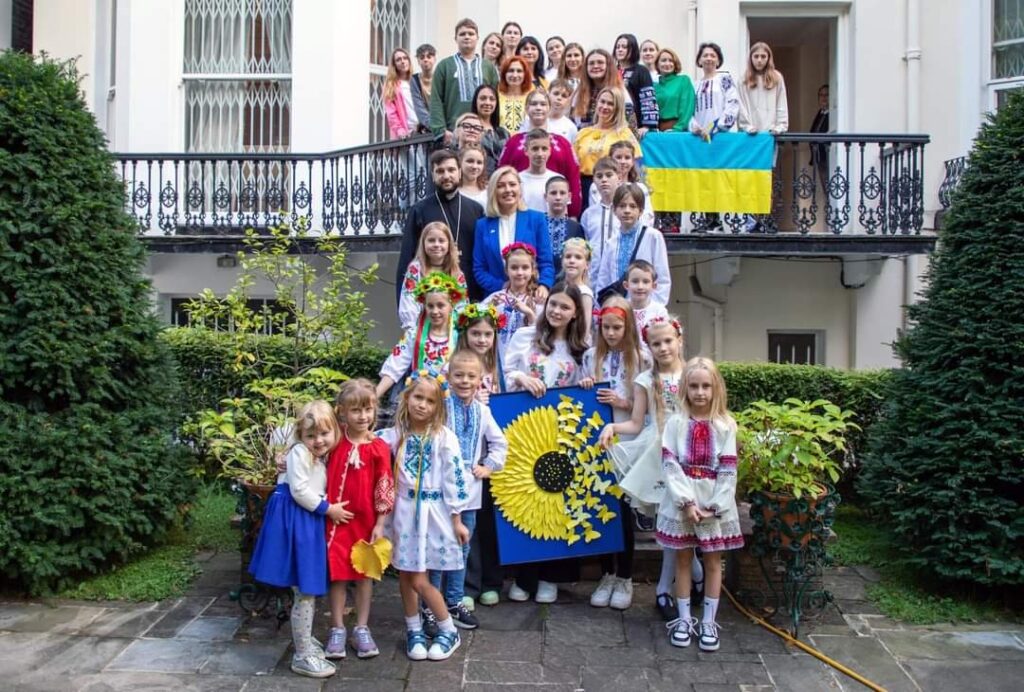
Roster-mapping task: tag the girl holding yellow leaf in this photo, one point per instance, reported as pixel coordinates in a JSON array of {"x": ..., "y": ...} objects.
[{"x": 359, "y": 477}]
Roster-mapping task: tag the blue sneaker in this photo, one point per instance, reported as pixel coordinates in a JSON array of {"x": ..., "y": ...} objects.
[
  {"x": 445, "y": 644},
  {"x": 416, "y": 645}
]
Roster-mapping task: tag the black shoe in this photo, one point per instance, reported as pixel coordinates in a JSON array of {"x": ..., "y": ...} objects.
[
  {"x": 429, "y": 623},
  {"x": 666, "y": 606},
  {"x": 462, "y": 617},
  {"x": 643, "y": 522}
]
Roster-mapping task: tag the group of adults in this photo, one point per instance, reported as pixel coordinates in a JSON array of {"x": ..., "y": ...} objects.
[{"x": 587, "y": 100}]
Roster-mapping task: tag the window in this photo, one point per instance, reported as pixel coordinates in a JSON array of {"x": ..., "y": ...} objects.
[
  {"x": 1007, "y": 69},
  {"x": 237, "y": 75},
  {"x": 267, "y": 306},
  {"x": 797, "y": 348},
  {"x": 389, "y": 29},
  {"x": 21, "y": 25}
]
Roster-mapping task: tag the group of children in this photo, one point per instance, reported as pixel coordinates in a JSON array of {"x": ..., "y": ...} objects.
[{"x": 423, "y": 482}]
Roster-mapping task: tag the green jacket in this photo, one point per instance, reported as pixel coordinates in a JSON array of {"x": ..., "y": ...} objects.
[
  {"x": 676, "y": 99},
  {"x": 451, "y": 93}
]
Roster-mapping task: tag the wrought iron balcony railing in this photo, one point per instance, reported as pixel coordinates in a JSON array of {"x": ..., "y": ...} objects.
[
  {"x": 359, "y": 191},
  {"x": 954, "y": 171},
  {"x": 825, "y": 184}
]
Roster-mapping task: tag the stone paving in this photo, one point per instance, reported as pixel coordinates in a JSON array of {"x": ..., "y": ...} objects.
[{"x": 204, "y": 642}]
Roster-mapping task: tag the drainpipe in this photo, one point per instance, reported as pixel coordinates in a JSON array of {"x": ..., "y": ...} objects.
[
  {"x": 691, "y": 29},
  {"x": 912, "y": 56}
]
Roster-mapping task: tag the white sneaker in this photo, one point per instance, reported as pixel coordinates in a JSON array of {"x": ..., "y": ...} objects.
[
  {"x": 517, "y": 594},
  {"x": 622, "y": 595},
  {"x": 603, "y": 593},
  {"x": 312, "y": 666},
  {"x": 546, "y": 592}
]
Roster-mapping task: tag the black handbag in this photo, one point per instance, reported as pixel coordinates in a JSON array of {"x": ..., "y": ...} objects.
[{"x": 618, "y": 288}]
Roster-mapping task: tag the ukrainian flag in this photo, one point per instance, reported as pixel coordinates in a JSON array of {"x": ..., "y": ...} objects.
[{"x": 731, "y": 173}]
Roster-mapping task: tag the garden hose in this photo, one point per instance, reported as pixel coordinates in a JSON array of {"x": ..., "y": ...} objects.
[{"x": 789, "y": 639}]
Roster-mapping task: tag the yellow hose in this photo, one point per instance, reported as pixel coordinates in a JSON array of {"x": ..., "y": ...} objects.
[{"x": 804, "y": 647}]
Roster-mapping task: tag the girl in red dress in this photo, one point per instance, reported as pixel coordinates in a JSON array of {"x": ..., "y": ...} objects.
[{"x": 359, "y": 477}]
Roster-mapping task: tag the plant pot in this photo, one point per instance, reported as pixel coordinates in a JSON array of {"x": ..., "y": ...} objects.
[
  {"x": 254, "y": 499},
  {"x": 791, "y": 522}
]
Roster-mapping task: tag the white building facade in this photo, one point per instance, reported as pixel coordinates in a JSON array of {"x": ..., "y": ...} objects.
[{"x": 289, "y": 77}]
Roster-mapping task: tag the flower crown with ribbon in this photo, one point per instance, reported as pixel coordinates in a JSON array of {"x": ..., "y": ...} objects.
[
  {"x": 662, "y": 321},
  {"x": 428, "y": 373},
  {"x": 439, "y": 282},
  {"x": 582, "y": 243},
  {"x": 477, "y": 310},
  {"x": 518, "y": 245}
]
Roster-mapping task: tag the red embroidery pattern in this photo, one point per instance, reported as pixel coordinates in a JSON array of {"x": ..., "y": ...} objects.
[{"x": 384, "y": 495}]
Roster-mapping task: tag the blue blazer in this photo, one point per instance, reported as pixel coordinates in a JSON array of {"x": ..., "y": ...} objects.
[{"x": 489, "y": 268}]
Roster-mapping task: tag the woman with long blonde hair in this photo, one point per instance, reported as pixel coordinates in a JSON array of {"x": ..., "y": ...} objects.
[{"x": 397, "y": 96}]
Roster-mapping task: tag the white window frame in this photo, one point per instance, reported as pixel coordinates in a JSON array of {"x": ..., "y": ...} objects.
[{"x": 994, "y": 86}]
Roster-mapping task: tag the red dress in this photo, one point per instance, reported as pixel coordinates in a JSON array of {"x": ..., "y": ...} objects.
[{"x": 369, "y": 489}]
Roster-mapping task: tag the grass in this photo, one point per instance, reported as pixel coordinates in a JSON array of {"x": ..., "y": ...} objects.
[
  {"x": 903, "y": 594},
  {"x": 167, "y": 571}
]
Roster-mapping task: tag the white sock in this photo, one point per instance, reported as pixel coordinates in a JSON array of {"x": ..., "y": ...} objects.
[
  {"x": 446, "y": 625},
  {"x": 683, "y": 606},
  {"x": 302, "y": 624},
  {"x": 413, "y": 623},
  {"x": 697, "y": 570},
  {"x": 710, "y": 609},
  {"x": 668, "y": 571}
]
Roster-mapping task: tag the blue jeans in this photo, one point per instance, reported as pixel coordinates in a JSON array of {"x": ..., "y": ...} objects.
[{"x": 455, "y": 580}]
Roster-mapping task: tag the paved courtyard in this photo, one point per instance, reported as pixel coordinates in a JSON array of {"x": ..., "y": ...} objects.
[{"x": 203, "y": 641}]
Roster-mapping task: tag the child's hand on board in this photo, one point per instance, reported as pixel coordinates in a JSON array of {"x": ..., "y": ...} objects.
[{"x": 607, "y": 436}]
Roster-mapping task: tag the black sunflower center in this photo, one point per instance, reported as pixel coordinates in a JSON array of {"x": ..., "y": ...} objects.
[{"x": 553, "y": 472}]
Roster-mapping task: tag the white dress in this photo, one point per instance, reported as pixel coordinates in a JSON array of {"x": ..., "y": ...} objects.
[
  {"x": 613, "y": 371},
  {"x": 430, "y": 486},
  {"x": 407, "y": 355},
  {"x": 699, "y": 467},
  {"x": 556, "y": 369},
  {"x": 514, "y": 319},
  {"x": 477, "y": 433},
  {"x": 638, "y": 462}
]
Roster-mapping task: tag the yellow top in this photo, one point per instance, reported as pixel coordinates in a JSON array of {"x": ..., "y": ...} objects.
[
  {"x": 512, "y": 111},
  {"x": 594, "y": 142}
]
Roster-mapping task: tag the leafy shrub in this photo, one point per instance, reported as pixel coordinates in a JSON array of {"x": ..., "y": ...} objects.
[
  {"x": 207, "y": 361},
  {"x": 947, "y": 457},
  {"x": 89, "y": 472}
]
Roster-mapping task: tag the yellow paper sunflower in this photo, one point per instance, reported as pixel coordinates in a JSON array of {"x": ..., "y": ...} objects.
[{"x": 552, "y": 486}]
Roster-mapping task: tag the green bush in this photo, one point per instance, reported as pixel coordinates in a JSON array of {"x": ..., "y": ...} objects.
[
  {"x": 860, "y": 391},
  {"x": 946, "y": 461},
  {"x": 89, "y": 472},
  {"x": 207, "y": 362}
]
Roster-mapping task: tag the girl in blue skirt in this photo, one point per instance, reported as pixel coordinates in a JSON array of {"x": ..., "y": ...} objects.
[{"x": 291, "y": 550}]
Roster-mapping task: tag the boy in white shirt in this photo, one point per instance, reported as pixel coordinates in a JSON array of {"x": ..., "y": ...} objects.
[
  {"x": 641, "y": 281},
  {"x": 535, "y": 178},
  {"x": 633, "y": 241},
  {"x": 598, "y": 220},
  {"x": 560, "y": 92}
]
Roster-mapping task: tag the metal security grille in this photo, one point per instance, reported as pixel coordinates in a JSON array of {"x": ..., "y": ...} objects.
[
  {"x": 237, "y": 75},
  {"x": 793, "y": 347},
  {"x": 1008, "y": 39},
  {"x": 389, "y": 29}
]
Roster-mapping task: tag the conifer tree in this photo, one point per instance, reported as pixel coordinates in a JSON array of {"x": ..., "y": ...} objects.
[
  {"x": 89, "y": 472},
  {"x": 946, "y": 466}
]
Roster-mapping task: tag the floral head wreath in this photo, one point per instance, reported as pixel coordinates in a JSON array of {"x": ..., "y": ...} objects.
[
  {"x": 660, "y": 321},
  {"x": 439, "y": 282},
  {"x": 476, "y": 310},
  {"x": 579, "y": 242},
  {"x": 512, "y": 247},
  {"x": 427, "y": 373}
]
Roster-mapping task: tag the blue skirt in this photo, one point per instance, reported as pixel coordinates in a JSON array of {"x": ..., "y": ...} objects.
[{"x": 291, "y": 549}]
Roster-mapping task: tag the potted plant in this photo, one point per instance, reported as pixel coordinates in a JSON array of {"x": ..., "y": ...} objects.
[{"x": 789, "y": 456}]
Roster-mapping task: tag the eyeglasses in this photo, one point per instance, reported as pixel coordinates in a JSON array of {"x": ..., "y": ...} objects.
[{"x": 471, "y": 128}]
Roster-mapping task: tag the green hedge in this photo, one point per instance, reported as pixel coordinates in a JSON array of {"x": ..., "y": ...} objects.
[
  {"x": 207, "y": 363},
  {"x": 862, "y": 391}
]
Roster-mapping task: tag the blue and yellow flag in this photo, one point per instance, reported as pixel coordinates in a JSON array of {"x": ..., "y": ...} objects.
[{"x": 731, "y": 173}]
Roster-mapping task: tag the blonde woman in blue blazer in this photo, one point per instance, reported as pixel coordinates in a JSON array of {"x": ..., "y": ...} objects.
[{"x": 508, "y": 221}]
